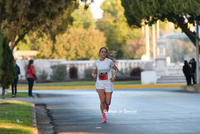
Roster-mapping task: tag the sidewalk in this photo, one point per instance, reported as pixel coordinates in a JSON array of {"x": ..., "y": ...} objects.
[{"x": 116, "y": 87}]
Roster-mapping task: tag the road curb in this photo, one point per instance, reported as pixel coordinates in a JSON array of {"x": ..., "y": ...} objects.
[
  {"x": 35, "y": 130},
  {"x": 93, "y": 87}
]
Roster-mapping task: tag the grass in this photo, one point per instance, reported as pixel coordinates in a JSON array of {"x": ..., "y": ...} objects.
[
  {"x": 78, "y": 83},
  {"x": 19, "y": 95},
  {"x": 10, "y": 112}
]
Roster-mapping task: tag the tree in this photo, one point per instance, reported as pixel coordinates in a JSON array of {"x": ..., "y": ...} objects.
[
  {"x": 180, "y": 12},
  {"x": 79, "y": 44},
  {"x": 83, "y": 18},
  {"x": 135, "y": 48},
  {"x": 7, "y": 67},
  {"x": 43, "y": 44},
  {"x": 24, "y": 44},
  {"x": 74, "y": 44},
  {"x": 115, "y": 27},
  {"x": 18, "y": 17}
]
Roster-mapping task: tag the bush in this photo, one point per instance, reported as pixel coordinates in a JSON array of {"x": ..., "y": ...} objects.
[
  {"x": 59, "y": 72},
  {"x": 7, "y": 68},
  {"x": 136, "y": 72},
  {"x": 121, "y": 73},
  {"x": 88, "y": 73},
  {"x": 73, "y": 72},
  {"x": 43, "y": 75}
]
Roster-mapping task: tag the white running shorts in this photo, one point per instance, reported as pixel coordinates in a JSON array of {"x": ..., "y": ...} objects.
[{"x": 107, "y": 85}]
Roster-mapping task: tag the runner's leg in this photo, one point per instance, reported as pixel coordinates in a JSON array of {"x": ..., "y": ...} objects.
[
  {"x": 102, "y": 99},
  {"x": 108, "y": 97},
  {"x": 101, "y": 93}
]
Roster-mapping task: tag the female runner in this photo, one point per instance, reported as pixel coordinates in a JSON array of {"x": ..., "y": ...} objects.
[{"x": 104, "y": 82}]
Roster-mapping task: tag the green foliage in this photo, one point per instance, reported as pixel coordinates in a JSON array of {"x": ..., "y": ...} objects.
[
  {"x": 80, "y": 44},
  {"x": 21, "y": 16},
  {"x": 74, "y": 44},
  {"x": 136, "y": 72},
  {"x": 123, "y": 73},
  {"x": 43, "y": 44},
  {"x": 8, "y": 73},
  {"x": 73, "y": 72},
  {"x": 43, "y": 75},
  {"x": 24, "y": 44},
  {"x": 83, "y": 18},
  {"x": 59, "y": 72},
  {"x": 87, "y": 73},
  {"x": 1, "y": 55},
  {"x": 180, "y": 12},
  {"x": 115, "y": 27}
]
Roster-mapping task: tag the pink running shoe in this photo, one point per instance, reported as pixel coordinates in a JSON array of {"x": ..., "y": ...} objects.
[
  {"x": 106, "y": 107},
  {"x": 104, "y": 120}
]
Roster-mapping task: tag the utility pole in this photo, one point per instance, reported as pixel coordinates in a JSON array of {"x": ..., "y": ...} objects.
[{"x": 197, "y": 51}]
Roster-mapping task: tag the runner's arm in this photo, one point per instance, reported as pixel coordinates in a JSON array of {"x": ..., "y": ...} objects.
[
  {"x": 115, "y": 74},
  {"x": 93, "y": 73}
]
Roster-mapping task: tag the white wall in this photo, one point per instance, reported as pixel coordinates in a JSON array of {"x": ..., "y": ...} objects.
[{"x": 81, "y": 64}]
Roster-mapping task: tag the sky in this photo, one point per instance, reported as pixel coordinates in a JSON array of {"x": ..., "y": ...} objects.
[{"x": 95, "y": 8}]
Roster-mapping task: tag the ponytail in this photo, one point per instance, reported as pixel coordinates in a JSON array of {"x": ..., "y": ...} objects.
[{"x": 112, "y": 55}]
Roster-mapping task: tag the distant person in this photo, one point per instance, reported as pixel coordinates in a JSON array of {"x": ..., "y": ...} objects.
[
  {"x": 14, "y": 84},
  {"x": 104, "y": 82},
  {"x": 187, "y": 72},
  {"x": 30, "y": 77},
  {"x": 193, "y": 69}
]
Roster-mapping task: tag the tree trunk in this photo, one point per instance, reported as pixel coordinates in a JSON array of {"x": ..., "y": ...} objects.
[
  {"x": 12, "y": 43},
  {"x": 191, "y": 35},
  {"x": 17, "y": 41},
  {"x": 0, "y": 21}
]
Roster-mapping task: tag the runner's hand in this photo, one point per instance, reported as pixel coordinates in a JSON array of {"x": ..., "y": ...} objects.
[
  {"x": 94, "y": 75},
  {"x": 112, "y": 79}
]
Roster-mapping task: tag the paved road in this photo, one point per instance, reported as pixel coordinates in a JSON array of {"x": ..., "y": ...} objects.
[{"x": 139, "y": 111}]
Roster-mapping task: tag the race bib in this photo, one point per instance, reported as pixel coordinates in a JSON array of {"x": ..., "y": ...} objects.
[{"x": 103, "y": 76}]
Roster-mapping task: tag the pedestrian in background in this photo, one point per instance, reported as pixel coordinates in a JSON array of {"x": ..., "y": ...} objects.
[
  {"x": 193, "y": 69},
  {"x": 187, "y": 72},
  {"x": 14, "y": 84},
  {"x": 104, "y": 82},
  {"x": 30, "y": 77}
]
